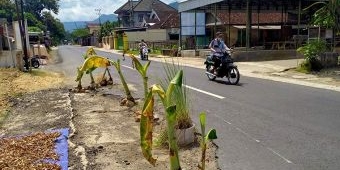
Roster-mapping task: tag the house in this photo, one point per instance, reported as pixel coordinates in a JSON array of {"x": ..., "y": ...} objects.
[
  {"x": 7, "y": 56},
  {"x": 267, "y": 26},
  {"x": 138, "y": 13},
  {"x": 151, "y": 20},
  {"x": 93, "y": 28},
  {"x": 92, "y": 38},
  {"x": 244, "y": 25}
]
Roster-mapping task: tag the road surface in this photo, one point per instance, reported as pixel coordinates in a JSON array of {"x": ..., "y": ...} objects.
[{"x": 261, "y": 124}]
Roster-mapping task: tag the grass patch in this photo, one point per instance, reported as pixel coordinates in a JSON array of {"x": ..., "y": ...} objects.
[
  {"x": 156, "y": 51},
  {"x": 179, "y": 98},
  {"x": 302, "y": 69},
  {"x": 14, "y": 83},
  {"x": 3, "y": 116},
  {"x": 40, "y": 73}
]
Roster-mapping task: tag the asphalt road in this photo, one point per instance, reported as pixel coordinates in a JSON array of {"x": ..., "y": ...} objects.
[{"x": 261, "y": 124}]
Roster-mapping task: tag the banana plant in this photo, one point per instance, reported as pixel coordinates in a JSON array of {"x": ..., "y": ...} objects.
[
  {"x": 205, "y": 138},
  {"x": 142, "y": 71},
  {"x": 89, "y": 65},
  {"x": 126, "y": 87},
  {"x": 146, "y": 123},
  {"x": 90, "y": 52},
  {"x": 98, "y": 61}
]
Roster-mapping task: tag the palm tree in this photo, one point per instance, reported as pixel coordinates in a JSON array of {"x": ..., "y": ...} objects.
[{"x": 327, "y": 15}]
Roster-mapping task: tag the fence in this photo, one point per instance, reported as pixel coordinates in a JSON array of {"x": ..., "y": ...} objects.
[{"x": 155, "y": 44}]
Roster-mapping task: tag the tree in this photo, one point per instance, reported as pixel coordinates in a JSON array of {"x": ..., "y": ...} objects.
[
  {"x": 106, "y": 29},
  {"x": 56, "y": 28},
  {"x": 327, "y": 14},
  {"x": 79, "y": 33},
  {"x": 37, "y": 7},
  {"x": 32, "y": 21},
  {"x": 7, "y": 10}
]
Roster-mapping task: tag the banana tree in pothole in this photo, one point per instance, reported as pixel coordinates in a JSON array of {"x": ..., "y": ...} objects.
[
  {"x": 95, "y": 61},
  {"x": 90, "y": 52}
]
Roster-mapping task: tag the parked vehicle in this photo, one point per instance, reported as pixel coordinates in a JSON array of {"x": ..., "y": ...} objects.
[
  {"x": 145, "y": 53},
  {"x": 226, "y": 68},
  {"x": 34, "y": 62}
]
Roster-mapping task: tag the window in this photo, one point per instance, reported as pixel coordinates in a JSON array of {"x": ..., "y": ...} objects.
[{"x": 140, "y": 17}]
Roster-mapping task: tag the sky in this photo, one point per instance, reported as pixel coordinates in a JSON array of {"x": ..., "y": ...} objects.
[{"x": 84, "y": 10}]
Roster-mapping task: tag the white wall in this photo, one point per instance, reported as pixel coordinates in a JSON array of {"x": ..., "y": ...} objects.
[
  {"x": 148, "y": 35},
  {"x": 6, "y": 59}
]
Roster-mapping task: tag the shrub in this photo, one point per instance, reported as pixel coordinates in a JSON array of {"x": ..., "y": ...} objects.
[{"x": 311, "y": 51}]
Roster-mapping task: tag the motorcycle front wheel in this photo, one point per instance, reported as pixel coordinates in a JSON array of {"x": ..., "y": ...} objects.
[
  {"x": 35, "y": 64},
  {"x": 233, "y": 75},
  {"x": 209, "y": 73}
]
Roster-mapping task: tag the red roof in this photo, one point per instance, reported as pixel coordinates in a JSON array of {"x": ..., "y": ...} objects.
[{"x": 168, "y": 20}]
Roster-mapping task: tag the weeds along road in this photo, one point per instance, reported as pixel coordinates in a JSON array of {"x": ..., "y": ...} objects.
[{"x": 261, "y": 124}]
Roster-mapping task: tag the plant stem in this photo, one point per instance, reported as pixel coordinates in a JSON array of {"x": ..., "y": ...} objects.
[
  {"x": 173, "y": 148},
  {"x": 126, "y": 88},
  {"x": 79, "y": 85},
  {"x": 92, "y": 79},
  {"x": 108, "y": 72},
  {"x": 204, "y": 148},
  {"x": 145, "y": 82}
]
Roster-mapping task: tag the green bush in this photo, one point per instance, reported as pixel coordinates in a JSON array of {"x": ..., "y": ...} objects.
[{"x": 311, "y": 51}]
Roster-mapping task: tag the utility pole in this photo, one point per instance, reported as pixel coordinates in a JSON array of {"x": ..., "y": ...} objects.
[
  {"x": 21, "y": 20},
  {"x": 248, "y": 26},
  {"x": 100, "y": 25},
  {"x": 132, "y": 24},
  {"x": 98, "y": 13}
]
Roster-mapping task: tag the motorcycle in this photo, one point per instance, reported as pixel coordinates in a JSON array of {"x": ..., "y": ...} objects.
[
  {"x": 34, "y": 62},
  {"x": 145, "y": 53},
  {"x": 226, "y": 68}
]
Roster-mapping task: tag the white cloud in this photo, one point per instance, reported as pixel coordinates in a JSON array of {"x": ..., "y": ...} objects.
[{"x": 84, "y": 10}]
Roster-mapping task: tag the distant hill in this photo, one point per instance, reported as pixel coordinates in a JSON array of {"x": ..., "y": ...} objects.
[
  {"x": 70, "y": 26},
  {"x": 104, "y": 18},
  {"x": 174, "y": 5}
]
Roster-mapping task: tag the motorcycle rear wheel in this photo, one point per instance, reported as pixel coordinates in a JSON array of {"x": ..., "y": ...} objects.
[
  {"x": 210, "y": 70},
  {"x": 233, "y": 75}
]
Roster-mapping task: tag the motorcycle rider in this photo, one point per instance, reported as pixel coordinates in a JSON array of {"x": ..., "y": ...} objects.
[
  {"x": 217, "y": 47},
  {"x": 142, "y": 45}
]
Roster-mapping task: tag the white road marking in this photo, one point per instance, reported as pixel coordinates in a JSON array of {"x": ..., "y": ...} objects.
[
  {"x": 276, "y": 153},
  {"x": 128, "y": 67},
  {"x": 256, "y": 140},
  {"x": 205, "y": 92},
  {"x": 189, "y": 87}
]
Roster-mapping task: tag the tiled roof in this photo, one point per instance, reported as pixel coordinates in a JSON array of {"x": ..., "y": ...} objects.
[
  {"x": 151, "y": 20},
  {"x": 126, "y": 7},
  {"x": 148, "y": 5},
  {"x": 170, "y": 20},
  {"x": 239, "y": 18}
]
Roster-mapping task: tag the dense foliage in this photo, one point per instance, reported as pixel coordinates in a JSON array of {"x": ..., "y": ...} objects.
[
  {"x": 326, "y": 14},
  {"x": 106, "y": 29},
  {"x": 38, "y": 15},
  {"x": 312, "y": 50},
  {"x": 7, "y": 10},
  {"x": 79, "y": 33}
]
